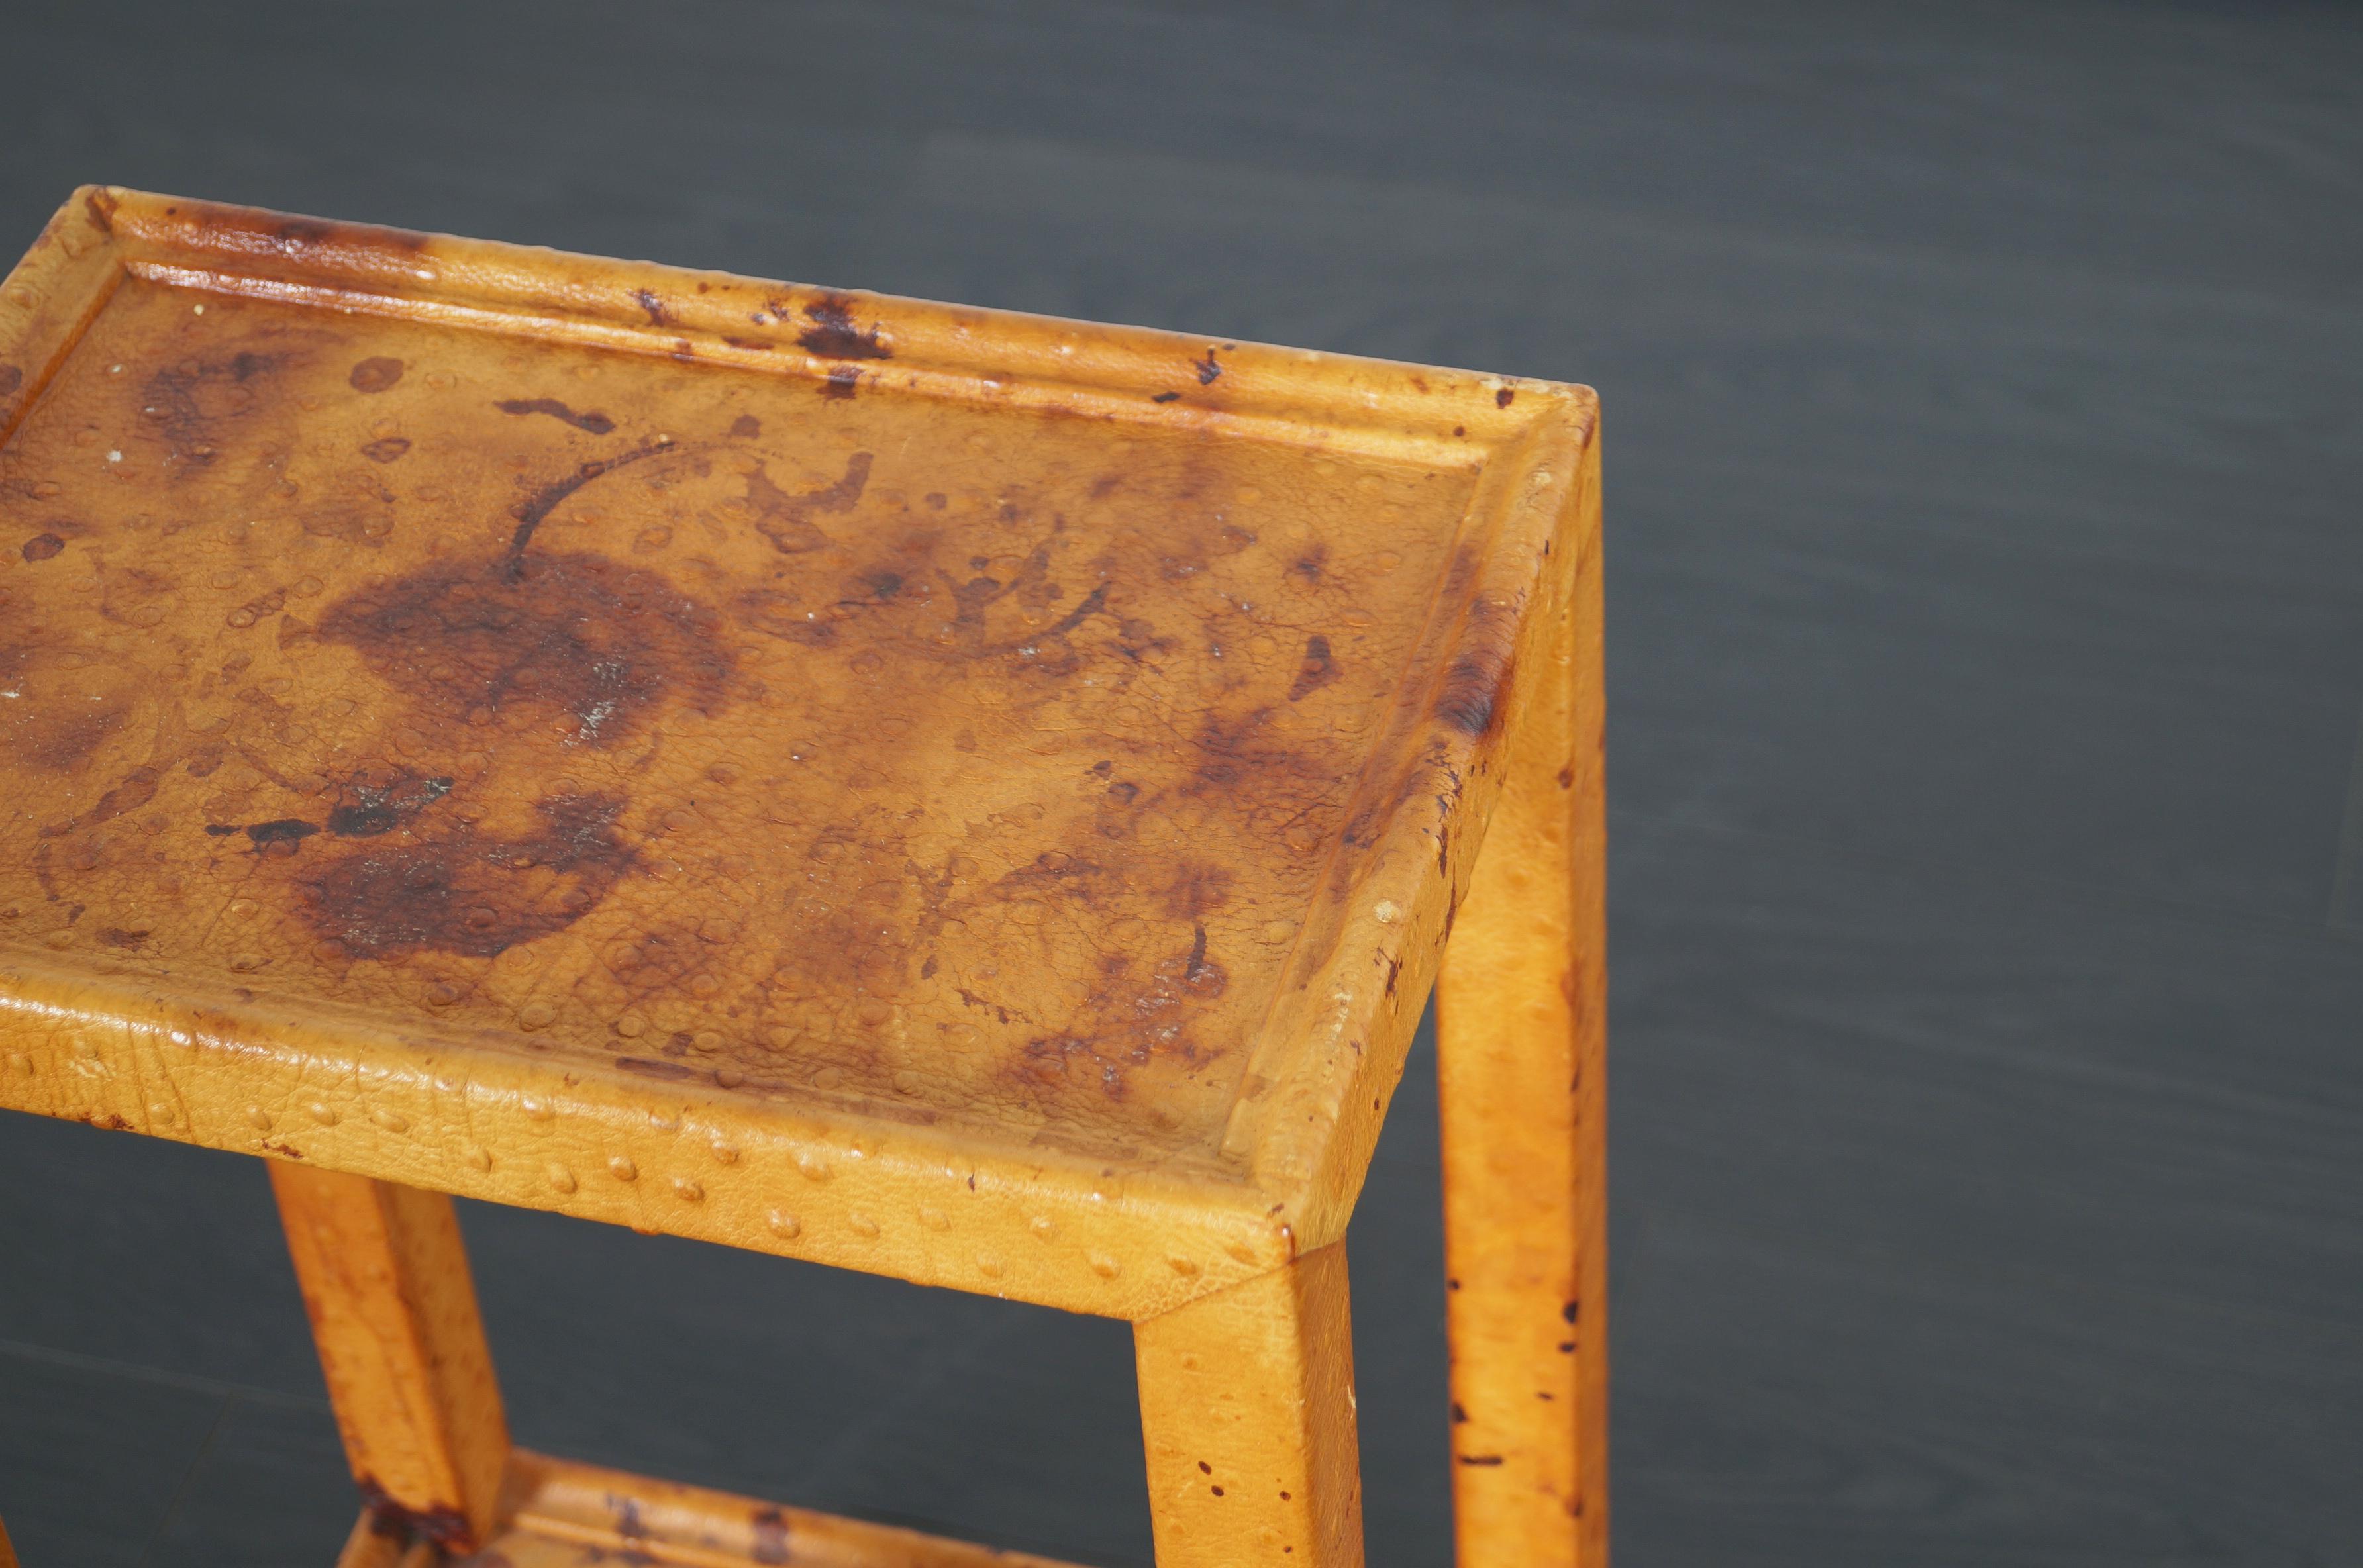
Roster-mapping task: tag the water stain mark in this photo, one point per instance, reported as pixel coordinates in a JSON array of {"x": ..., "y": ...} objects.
[
  {"x": 375, "y": 374},
  {"x": 787, "y": 519}
]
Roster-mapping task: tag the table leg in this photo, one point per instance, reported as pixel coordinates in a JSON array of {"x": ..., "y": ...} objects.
[
  {"x": 1246, "y": 1400},
  {"x": 385, "y": 1280},
  {"x": 1521, "y": 1033}
]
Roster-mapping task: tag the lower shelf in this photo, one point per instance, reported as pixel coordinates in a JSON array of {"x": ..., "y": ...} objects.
[{"x": 558, "y": 1514}]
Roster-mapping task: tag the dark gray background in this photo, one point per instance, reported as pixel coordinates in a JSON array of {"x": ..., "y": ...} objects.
[{"x": 1984, "y": 405}]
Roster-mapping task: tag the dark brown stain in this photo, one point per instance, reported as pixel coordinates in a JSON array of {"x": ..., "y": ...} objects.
[
  {"x": 444, "y": 1525},
  {"x": 472, "y": 894},
  {"x": 365, "y": 809},
  {"x": 629, "y": 1523},
  {"x": 1481, "y": 1459},
  {"x": 1460, "y": 1415},
  {"x": 1167, "y": 397},
  {"x": 370, "y": 809},
  {"x": 771, "y": 1536},
  {"x": 1090, "y": 604},
  {"x": 376, "y": 374},
  {"x": 1208, "y": 368},
  {"x": 787, "y": 519},
  {"x": 100, "y": 206},
  {"x": 655, "y": 307},
  {"x": 387, "y": 450},
  {"x": 11, "y": 378},
  {"x": 833, "y": 335},
  {"x": 597, "y": 423},
  {"x": 840, "y": 383},
  {"x": 569, "y": 635},
  {"x": 746, "y": 427},
  {"x": 190, "y": 401},
  {"x": 42, "y": 547},
  {"x": 530, "y": 511},
  {"x": 1502, "y": 399},
  {"x": 1319, "y": 669}
]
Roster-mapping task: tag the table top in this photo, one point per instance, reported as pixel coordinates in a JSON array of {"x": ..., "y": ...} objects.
[{"x": 911, "y": 716}]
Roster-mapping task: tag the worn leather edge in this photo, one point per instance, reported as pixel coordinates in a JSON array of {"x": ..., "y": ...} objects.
[
  {"x": 47, "y": 301},
  {"x": 1353, "y": 1017},
  {"x": 1416, "y": 413},
  {"x": 485, "y": 1118}
]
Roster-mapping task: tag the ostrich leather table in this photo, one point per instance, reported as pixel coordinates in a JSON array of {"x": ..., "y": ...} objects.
[{"x": 959, "y": 795}]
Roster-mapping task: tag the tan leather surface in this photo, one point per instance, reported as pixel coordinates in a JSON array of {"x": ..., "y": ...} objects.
[
  {"x": 594, "y": 735},
  {"x": 972, "y": 762}
]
